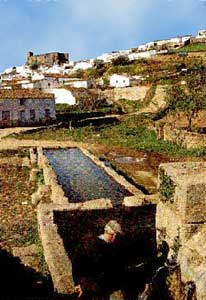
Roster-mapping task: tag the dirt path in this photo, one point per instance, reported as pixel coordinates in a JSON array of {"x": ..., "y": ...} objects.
[{"x": 7, "y": 131}]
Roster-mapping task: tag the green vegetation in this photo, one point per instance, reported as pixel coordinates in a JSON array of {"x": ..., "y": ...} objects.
[
  {"x": 18, "y": 218},
  {"x": 34, "y": 66},
  {"x": 133, "y": 133},
  {"x": 40, "y": 177},
  {"x": 188, "y": 98},
  {"x": 167, "y": 187},
  {"x": 127, "y": 106},
  {"x": 199, "y": 47},
  {"x": 122, "y": 60}
]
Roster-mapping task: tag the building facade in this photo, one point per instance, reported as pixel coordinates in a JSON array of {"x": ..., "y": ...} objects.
[
  {"x": 119, "y": 81},
  {"x": 26, "y": 108}
]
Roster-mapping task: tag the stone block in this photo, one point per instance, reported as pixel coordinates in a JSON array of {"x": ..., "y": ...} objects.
[{"x": 182, "y": 186}]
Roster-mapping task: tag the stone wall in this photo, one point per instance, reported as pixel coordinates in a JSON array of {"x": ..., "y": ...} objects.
[
  {"x": 183, "y": 137},
  {"x": 19, "y": 112},
  {"x": 158, "y": 101},
  {"x": 63, "y": 224},
  {"x": 130, "y": 93},
  {"x": 181, "y": 216},
  {"x": 62, "y": 227},
  {"x": 48, "y": 59}
]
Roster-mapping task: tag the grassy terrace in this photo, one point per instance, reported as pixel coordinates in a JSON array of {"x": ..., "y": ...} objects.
[
  {"x": 133, "y": 133},
  {"x": 199, "y": 47}
]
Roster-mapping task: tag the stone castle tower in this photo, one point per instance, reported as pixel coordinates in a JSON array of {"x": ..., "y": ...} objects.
[{"x": 47, "y": 59}]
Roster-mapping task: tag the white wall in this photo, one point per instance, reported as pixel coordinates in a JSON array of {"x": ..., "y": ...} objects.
[
  {"x": 83, "y": 65},
  {"x": 119, "y": 81},
  {"x": 146, "y": 54},
  {"x": 63, "y": 96}
]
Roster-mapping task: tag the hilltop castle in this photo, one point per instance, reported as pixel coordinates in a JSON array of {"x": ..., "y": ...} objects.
[{"x": 47, "y": 59}]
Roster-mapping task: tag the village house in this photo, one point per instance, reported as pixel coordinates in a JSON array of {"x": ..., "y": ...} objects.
[
  {"x": 119, "y": 81},
  {"x": 173, "y": 42},
  {"x": 201, "y": 34},
  {"x": 46, "y": 81},
  {"x": 79, "y": 83},
  {"x": 139, "y": 55},
  {"x": 23, "y": 107},
  {"x": 83, "y": 65},
  {"x": 62, "y": 95}
]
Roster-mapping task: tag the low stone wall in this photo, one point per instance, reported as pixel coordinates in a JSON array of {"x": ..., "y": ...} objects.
[
  {"x": 181, "y": 217},
  {"x": 130, "y": 93},
  {"x": 57, "y": 193},
  {"x": 183, "y": 137},
  {"x": 62, "y": 227},
  {"x": 118, "y": 178},
  {"x": 63, "y": 224},
  {"x": 50, "y": 179}
]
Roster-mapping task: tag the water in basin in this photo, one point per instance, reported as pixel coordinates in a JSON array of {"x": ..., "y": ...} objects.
[{"x": 81, "y": 179}]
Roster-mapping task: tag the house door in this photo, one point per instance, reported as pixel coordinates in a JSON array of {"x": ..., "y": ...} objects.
[
  {"x": 47, "y": 115},
  {"x": 6, "y": 119},
  {"x": 22, "y": 117}
]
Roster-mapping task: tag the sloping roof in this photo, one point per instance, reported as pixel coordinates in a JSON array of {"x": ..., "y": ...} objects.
[{"x": 24, "y": 94}]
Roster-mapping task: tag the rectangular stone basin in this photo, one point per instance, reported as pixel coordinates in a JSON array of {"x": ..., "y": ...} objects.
[{"x": 81, "y": 179}]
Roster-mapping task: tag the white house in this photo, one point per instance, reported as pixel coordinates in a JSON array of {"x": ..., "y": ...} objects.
[
  {"x": 78, "y": 83},
  {"x": 84, "y": 65},
  {"x": 201, "y": 34},
  {"x": 119, "y": 81},
  {"x": 145, "y": 54},
  {"x": 63, "y": 96}
]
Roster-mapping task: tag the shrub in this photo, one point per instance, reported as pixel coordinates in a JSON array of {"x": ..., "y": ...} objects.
[{"x": 120, "y": 60}]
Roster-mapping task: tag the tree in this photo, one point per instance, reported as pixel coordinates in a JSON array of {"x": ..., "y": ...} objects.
[
  {"x": 98, "y": 63},
  {"x": 34, "y": 66},
  {"x": 122, "y": 60},
  {"x": 189, "y": 98}
]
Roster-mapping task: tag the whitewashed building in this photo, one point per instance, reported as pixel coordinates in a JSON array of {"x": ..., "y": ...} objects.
[
  {"x": 79, "y": 83},
  {"x": 201, "y": 34},
  {"x": 119, "y": 81},
  {"x": 84, "y": 65},
  {"x": 145, "y": 54},
  {"x": 63, "y": 96}
]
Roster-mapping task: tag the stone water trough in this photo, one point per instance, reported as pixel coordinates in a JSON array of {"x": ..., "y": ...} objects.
[{"x": 85, "y": 194}]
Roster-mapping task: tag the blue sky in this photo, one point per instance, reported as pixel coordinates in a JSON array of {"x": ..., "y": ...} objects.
[{"x": 87, "y": 28}]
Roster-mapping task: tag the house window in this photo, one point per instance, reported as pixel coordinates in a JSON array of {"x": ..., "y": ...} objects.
[
  {"x": 32, "y": 115},
  {"x": 22, "y": 101},
  {"x": 47, "y": 113},
  {"x": 6, "y": 115}
]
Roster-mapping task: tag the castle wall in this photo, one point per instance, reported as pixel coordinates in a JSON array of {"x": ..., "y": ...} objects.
[{"x": 47, "y": 59}]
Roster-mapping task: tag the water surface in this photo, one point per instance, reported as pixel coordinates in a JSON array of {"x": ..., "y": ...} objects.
[{"x": 81, "y": 179}]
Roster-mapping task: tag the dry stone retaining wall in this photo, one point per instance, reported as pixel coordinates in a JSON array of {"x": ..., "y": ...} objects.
[
  {"x": 183, "y": 137},
  {"x": 181, "y": 215}
]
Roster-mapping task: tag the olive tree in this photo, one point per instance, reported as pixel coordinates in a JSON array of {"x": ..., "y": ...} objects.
[{"x": 189, "y": 98}]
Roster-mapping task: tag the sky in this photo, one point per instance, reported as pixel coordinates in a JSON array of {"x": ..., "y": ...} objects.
[{"x": 88, "y": 28}]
